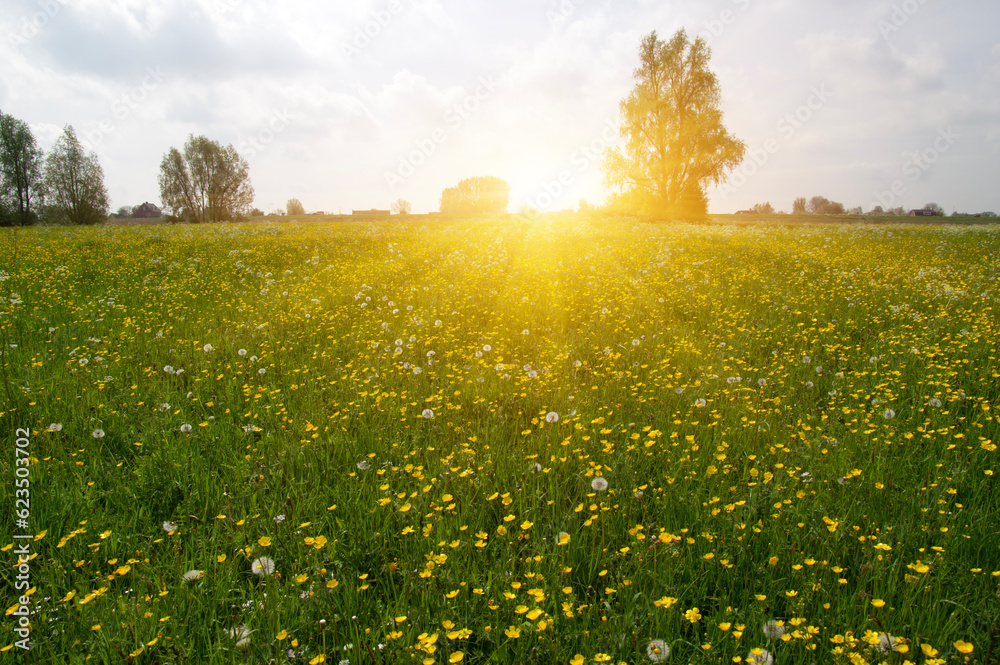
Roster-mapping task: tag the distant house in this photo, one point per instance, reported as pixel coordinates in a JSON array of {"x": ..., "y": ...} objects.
[
  {"x": 370, "y": 213},
  {"x": 744, "y": 212},
  {"x": 923, "y": 212},
  {"x": 146, "y": 211}
]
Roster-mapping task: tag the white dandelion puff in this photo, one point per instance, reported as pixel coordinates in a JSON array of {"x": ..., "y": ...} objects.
[
  {"x": 773, "y": 630},
  {"x": 886, "y": 643},
  {"x": 192, "y": 576},
  {"x": 262, "y": 567},
  {"x": 657, "y": 651},
  {"x": 599, "y": 484}
]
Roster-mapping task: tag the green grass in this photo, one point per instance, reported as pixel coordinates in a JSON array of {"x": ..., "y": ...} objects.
[{"x": 732, "y": 385}]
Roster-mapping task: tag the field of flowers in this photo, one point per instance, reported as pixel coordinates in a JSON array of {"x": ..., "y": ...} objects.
[{"x": 501, "y": 441}]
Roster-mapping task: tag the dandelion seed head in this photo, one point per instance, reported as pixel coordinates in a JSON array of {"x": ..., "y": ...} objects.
[
  {"x": 886, "y": 643},
  {"x": 262, "y": 567},
  {"x": 772, "y": 630},
  {"x": 192, "y": 576},
  {"x": 759, "y": 657},
  {"x": 657, "y": 651}
]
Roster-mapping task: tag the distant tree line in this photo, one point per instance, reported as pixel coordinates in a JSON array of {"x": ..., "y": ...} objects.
[
  {"x": 65, "y": 186},
  {"x": 474, "y": 195}
]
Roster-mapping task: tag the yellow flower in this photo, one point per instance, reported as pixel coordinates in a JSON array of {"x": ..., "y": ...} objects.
[
  {"x": 220, "y": 558},
  {"x": 964, "y": 647},
  {"x": 693, "y": 615},
  {"x": 332, "y": 584},
  {"x": 318, "y": 659},
  {"x": 577, "y": 660},
  {"x": 282, "y": 635},
  {"x": 264, "y": 541},
  {"x": 512, "y": 632},
  {"x": 878, "y": 602},
  {"x": 456, "y": 657},
  {"x": 928, "y": 650}
]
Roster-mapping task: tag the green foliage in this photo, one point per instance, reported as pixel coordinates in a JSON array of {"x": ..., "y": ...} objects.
[
  {"x": 476, "y": 195},
  {"x": 207, "y": 183},
  {"x": 819, "y": 205},
  {"x": 74, "y": 183},
  {"x": 675, "y": 142},
  {"x": 20, "y": 173}
]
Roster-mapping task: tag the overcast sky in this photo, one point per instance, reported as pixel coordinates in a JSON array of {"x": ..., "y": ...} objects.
[{"x": 354, "y": 105}]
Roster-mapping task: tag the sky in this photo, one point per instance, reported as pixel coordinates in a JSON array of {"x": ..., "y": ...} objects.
[{"x": 355, "y": 105}]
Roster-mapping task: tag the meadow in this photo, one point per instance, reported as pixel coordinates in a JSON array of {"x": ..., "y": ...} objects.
[{"x": 508, "y": 441}]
